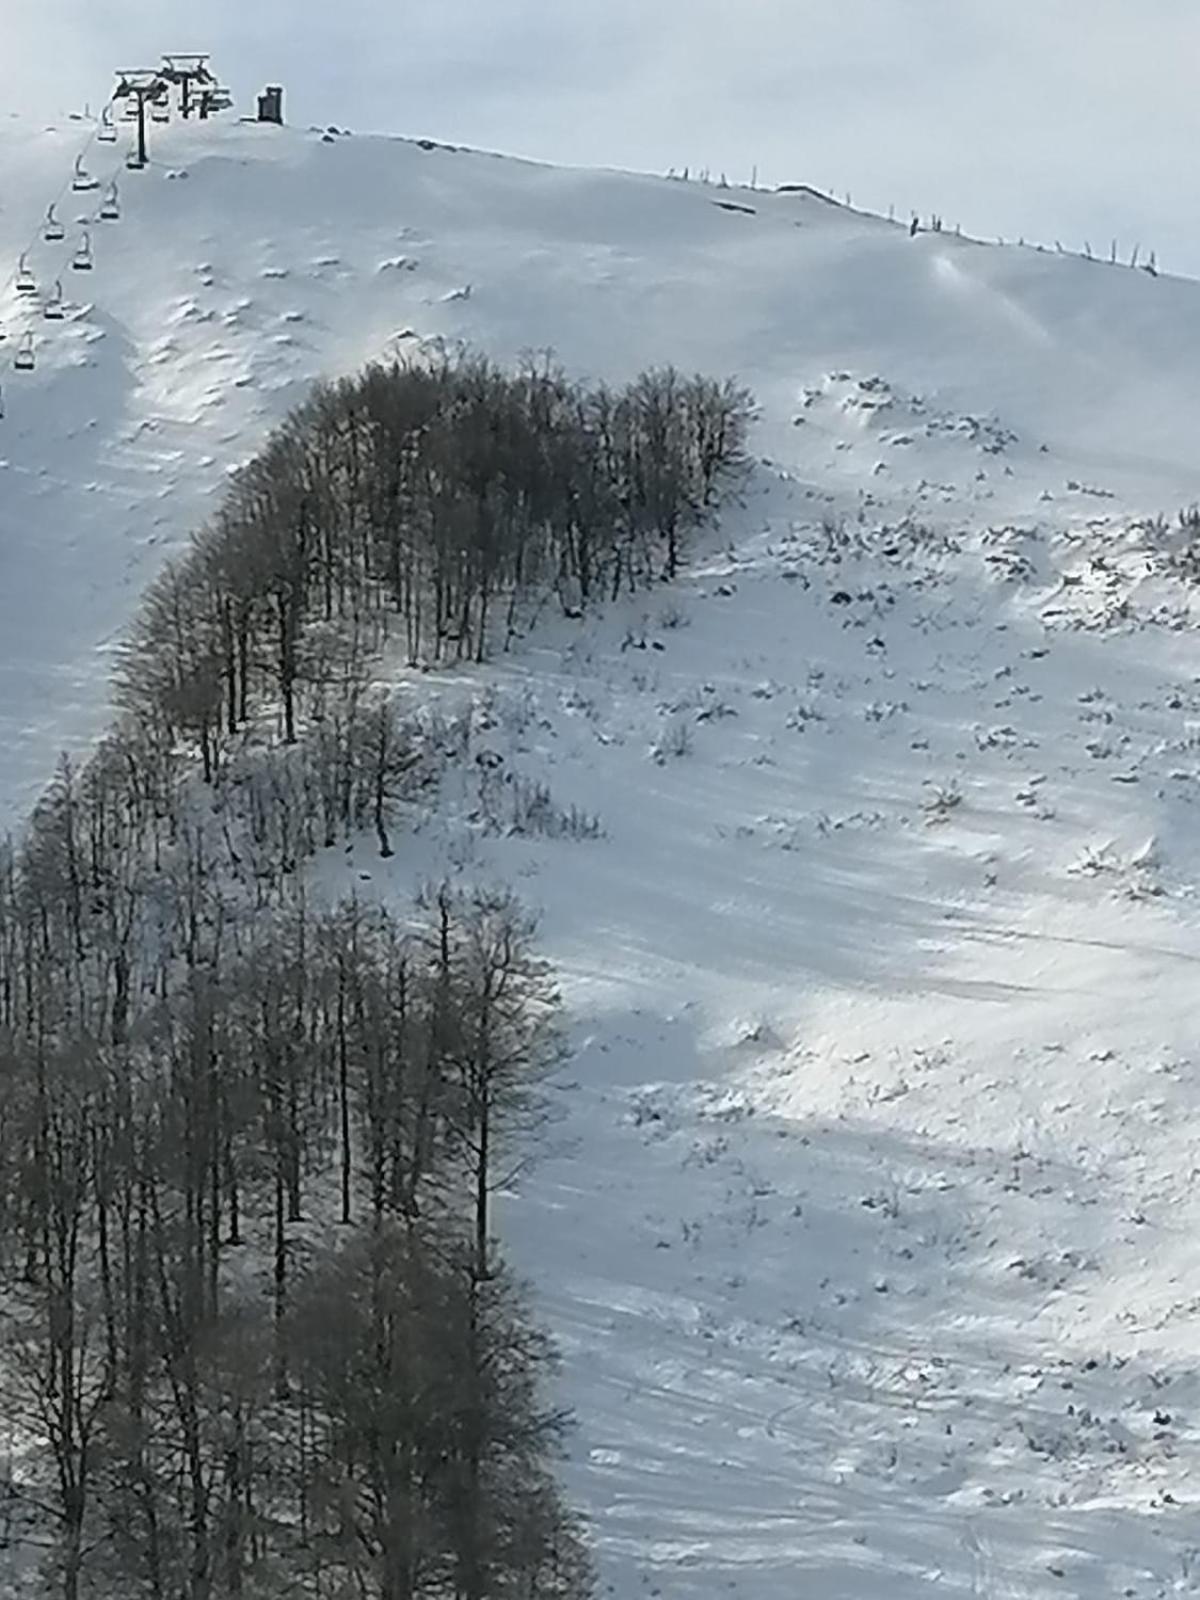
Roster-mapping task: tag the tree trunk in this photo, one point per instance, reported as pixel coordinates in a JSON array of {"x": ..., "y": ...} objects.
[
  {"x": 280, "y": 1286},
  {"x": 344, "y": 1098}
]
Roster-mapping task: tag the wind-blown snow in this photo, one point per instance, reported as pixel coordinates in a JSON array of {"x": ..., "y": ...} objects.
[{"x": 867, "y": 1219}]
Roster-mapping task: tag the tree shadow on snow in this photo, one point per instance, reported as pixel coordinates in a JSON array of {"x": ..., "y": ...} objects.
[{"x": 827, "y": 1357}]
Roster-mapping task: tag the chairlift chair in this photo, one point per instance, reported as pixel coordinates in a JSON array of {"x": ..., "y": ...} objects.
[
  {"x": 133, "y": 160},
  {"x": 54, "y": 310},
  {"x": 25, "y": 359},
  {"x": 210, "y": 101},
  {"x": 53, "y": 231},
  {"x": 82, "y": 259},
  {"x": 160, "y": 109},
  {"x": 83, "y": 182},
  {"x": 190, "y": 61},
  {"x": 26, "y": 283},
  {"x": 107, "y": 131},
  {"x": 110, "y": 207}
]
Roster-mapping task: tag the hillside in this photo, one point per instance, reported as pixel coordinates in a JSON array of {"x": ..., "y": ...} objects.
[
  {"x": 867, "y": 1221},
  {"x": 248, "y": 261}
]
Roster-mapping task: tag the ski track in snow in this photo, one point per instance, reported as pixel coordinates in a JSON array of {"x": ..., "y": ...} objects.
[{"x": 866, "y": 1217}]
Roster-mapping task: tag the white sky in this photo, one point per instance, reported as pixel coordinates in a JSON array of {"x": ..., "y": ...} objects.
[{"x": 1065, "y": 119}]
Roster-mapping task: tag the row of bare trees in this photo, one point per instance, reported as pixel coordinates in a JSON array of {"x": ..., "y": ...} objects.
[
  {"x": 441, "y": 502},
  {"x": 255, "y": 1333}
]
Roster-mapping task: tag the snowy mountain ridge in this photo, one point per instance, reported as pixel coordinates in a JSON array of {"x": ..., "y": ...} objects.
[{"x": 867, "y": 1222}]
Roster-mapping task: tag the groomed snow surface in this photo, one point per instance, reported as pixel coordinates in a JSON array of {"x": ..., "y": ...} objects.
[{"x": 867, "y": 1213}]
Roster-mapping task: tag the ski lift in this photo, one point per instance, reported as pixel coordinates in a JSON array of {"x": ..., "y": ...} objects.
[
  {"x": 53, "y": 231},
  {"x": 110, "y": 207},
  {"x": 133, "y": 160},
  {"x": 107, "y": 131},
  {"x": 82, "y": 259},
  {"x": 160, "y": 107},
  {"x": 217, "y": 98},
  {"x": 54, "y": 309},
  {"x": 83, "y": 182},
  {"x": 26, "y": 358},
  {"x": 26, "y": 282}
]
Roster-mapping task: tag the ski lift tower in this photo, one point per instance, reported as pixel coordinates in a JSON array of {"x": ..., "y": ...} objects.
[
  {"x": 188, "y": 70},
  {"x": 142, "y": 87}
]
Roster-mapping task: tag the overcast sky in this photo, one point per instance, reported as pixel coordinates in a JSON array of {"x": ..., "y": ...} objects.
[{"x": 1065, "y": 119}]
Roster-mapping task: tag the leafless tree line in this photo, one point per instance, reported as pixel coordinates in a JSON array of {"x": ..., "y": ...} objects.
[
  {"x": 440, "y": 502},
  {"x": 255, "y": 1334}
]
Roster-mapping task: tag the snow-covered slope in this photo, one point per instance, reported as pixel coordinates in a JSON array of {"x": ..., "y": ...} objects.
[
  {"x": 869, "y": 1225},
  {"x": 248, "y": 260},
  {"x": 868, "y": 1220}
]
